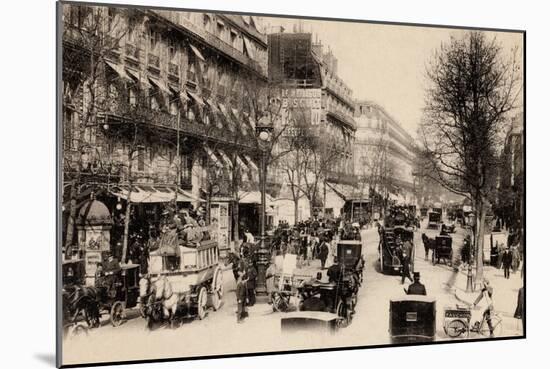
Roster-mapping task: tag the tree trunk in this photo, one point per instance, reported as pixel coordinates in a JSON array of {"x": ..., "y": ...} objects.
[
  {"x": 128, "y": 210},
  {"x": 480, "y": 230},
  {"x": 296, "y": 209},
  {"x": 236, "y": 222}
]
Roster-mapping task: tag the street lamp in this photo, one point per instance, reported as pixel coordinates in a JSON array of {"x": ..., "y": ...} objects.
[{"x": 264, "y": 130}]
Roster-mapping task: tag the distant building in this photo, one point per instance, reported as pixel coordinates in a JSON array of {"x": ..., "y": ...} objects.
[
  {"x": 510, "y": 206},
  {"x": 311, "y": 90},
  {"x": 384, "y": 154}
]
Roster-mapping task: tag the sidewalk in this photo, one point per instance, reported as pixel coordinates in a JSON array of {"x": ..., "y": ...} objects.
[{"x": 505, "y": 295}]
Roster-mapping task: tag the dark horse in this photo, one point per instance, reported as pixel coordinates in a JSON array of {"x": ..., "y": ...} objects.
[
  {"x": 81, "y": 299},
  {"x": 429, "y": 244}
]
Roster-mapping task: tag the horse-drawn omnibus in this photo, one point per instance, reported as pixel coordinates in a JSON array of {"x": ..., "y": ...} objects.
[{"x": 185, "y": 276}]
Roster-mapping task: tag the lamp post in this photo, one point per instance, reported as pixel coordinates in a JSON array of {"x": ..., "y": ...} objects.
[{"x": 263, "y": 133}]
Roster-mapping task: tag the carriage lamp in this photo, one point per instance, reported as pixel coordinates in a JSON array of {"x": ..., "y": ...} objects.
[
  {"x": 119, "y": 206},
  {"x": 106, "y": 127},
  {"x": 264, "y": 129}
]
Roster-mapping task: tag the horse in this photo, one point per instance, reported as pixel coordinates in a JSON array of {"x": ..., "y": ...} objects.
[
  {"x": 158, "y": 300},
  {"x": 77, "y": 299},
  {"x": 429, "y": 244}
]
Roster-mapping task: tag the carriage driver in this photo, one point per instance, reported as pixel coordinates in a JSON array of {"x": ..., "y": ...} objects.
[{"x": 111, "y": 267}]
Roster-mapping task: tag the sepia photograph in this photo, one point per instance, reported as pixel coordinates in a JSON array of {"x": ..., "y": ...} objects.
[{"x": 234, "y": 184}]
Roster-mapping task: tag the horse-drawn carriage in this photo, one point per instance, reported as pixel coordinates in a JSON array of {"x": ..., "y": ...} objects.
[
  {"x": 112, "y": 294},
  {"x": 412, "y": 319},
  {"x": 434, "y": 219},
  {"x": 442, "y": 249},
  {"x": 185, "y": 277},
  {"x": 389, "y": 248},
  {"x": 339, "y": 294}
]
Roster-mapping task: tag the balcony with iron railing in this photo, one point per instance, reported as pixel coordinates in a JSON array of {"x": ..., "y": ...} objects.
[
  {"x": 125, "y": 114},
  {"x": 334, "y": 85},
  {"x": 212, "y": 40}
]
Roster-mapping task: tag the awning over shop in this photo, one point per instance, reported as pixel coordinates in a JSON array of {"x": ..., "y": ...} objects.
[
  {"x": 254, "y": 197},
  {"x": 226, "y": 158},
  {"x": 248, "y": 47},
  {"x": 213, "y": 106},
  {"x": 212, "y": 156},
  {"x": 227, "y": 117},
  {"x": 196, "y": 98},
  {"x": 245, "y": 168},
  {"x": 197, "y": 53},
  {"x": 153, "y": 194},
  {"x": 159, "y": 84},
  {"x": 118, "y": 69},
  {"x": 251, "y": 163}
]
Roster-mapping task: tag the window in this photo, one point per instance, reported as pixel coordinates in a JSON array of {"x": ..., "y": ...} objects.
[
  {"x": 174, "y": 107},
  {"x": 132, "y": 96},
  {"x": 131, "y": 33},
  {"x": 154, "y": 38},
  {"x": 153, "y": 101},
  {"x": 233, "y": 37},
  {"x": 172, "y": 50},
  {"x": 206, "y": 21},
  {"x": 220, "y": 30},
  {"x": 186, "y": 169}
]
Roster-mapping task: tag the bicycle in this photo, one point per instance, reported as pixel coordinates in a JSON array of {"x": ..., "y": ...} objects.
[{"x": 457, "y": 323}]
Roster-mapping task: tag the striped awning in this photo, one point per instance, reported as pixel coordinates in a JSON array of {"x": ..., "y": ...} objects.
[
  {"x": 118, "y": 69},
  {"x": 197, "y": 53}
]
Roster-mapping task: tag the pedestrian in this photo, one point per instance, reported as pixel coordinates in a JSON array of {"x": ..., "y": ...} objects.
[
  {"x": 309, "y": 253},
  {"x": 249, "y": 238},
  {"x": 519, "y": 313},
  {"x": 270, "y": 280},
  {"x": 426, "y": 242},
  {"x": 416, "y": 288},
  {"x": 506, "y": 262},
  {"x": 240, "y": 293},
  {"x": 405, "y": 267},
  {"x": 251, "y": 275},
  {"x": 323, "y": 253}
]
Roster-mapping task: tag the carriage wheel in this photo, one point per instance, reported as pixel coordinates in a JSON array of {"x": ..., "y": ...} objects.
[
  {"x": 216, "y": 293},
  {"x": 117, "y": 313},
  {"x": 497, "y": 327},
  {"x": 342, "y": 312},
  {"x": 202, "y": 301},
  {"x": 280, "y": 302},
  {"x": 456, "y": 328}
]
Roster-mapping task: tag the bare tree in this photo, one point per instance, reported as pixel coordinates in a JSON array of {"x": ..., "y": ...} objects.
[
  {"x": 89, "y": 38},
  {"x": 473, "y": 87}
]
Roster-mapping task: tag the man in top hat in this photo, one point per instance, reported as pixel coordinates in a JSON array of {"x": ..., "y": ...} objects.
[
  {"x": 506, "y": 262},
  {"x": 416, "y": 288}
]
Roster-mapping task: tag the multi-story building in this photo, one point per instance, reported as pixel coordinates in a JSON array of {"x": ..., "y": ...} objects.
[
  {"x": 157, "y": 105},
  {"x": 384, "y": 154},
  {"x": 311, "y": 91},
  {"x": 510, "y": 204}
]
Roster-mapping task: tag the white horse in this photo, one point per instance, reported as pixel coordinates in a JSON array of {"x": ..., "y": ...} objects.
[{"x": 155, "y": 292}]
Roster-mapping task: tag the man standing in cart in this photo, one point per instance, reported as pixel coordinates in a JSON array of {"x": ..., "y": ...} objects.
[{"x": 486, "y": 298}]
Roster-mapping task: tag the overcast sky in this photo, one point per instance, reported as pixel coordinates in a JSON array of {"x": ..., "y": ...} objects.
[{"x": 386, "y": 63}]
